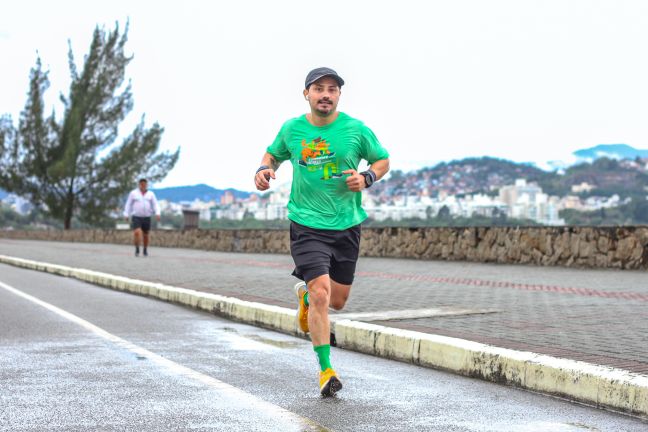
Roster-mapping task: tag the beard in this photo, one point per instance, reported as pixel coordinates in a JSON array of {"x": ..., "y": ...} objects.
[{"x": 324, "y": 108}]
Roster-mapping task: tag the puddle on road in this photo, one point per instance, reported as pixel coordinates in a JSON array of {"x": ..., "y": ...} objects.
[
  {"x": 585, "y": 427},
  {"x": 531, "y": 426},
  {"x": 273, "y": 342},
  {"x": 542, "y": 426},
  {"x": 283, "y": 344}
]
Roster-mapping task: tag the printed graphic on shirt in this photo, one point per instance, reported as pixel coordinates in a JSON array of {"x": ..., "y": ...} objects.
[{"x": 317, "y": 156}]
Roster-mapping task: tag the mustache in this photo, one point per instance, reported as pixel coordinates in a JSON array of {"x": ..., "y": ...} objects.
[{"x": 325, "y": 100}]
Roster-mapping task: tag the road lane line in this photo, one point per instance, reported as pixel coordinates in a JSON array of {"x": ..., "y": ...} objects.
[{"x": 246, "y": 399}]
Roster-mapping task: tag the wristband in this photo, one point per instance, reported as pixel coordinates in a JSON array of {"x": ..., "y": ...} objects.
[
  {"x": 261, "y": 168},
  {"x": 370, "y": 177}
]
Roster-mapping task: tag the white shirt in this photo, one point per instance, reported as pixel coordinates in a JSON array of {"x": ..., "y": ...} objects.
[{"x": 141, "y": 205}]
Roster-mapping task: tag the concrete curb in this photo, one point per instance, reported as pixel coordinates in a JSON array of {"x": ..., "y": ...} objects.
[{"x": 599, "y": 386}]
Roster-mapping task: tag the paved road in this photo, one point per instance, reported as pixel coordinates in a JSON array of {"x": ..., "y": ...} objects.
[
  {"x": 598, "y": 316},
  {"x": 77, "y": 357}
]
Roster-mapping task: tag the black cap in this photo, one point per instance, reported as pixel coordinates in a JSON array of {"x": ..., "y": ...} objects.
[{"x": 322, "y": 72}]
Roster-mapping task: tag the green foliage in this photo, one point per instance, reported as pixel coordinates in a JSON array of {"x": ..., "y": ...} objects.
[
  {"x": 609, "y": 176},
  {"x": 10, "y": 219},
  {"x": 72, "y": 167},
  {"x": 171, "y": 220},
  {"x": 633, "y": 213},
  {"x": 443, "y": 214},
  {"x": 38, "y": 219}
]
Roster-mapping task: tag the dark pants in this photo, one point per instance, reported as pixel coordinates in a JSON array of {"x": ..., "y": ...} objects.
[{"x": 144, "y": 223}]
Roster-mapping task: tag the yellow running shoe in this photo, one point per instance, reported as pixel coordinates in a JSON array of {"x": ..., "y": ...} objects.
[
  {"x": 329, "y": 383},
  {"x": 302, "y": 310}
]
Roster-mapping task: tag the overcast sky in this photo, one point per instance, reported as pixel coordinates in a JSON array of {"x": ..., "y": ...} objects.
[{"x": 435, "y": 80}]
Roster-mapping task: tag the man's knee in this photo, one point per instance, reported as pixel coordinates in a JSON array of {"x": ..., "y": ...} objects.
[
  {"x": 338, "y": 302},
  {"x": 318, "y": 293},
  {"x": 339, "y": 295}
]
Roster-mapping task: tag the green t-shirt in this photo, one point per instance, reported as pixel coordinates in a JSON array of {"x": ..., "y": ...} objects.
[{"x": 319, "y": 197}]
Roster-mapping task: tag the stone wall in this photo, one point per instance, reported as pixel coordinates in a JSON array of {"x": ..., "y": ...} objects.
[{"x": 599, "y": 247}]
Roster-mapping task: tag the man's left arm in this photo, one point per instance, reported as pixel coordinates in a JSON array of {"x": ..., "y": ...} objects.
[
  {"x": 380, "y": 168},
  {"x": 156, "y": 207},
  {"x": 370, "y": 150},
  {"x": 356, "y": 181}
]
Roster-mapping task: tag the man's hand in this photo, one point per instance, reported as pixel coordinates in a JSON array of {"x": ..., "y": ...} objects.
[
  {"x": 355, "y": 181},
  {"x": 158, "y": 217},
  {"x": 262, "y": 179},
  {"x": 126, "y": 218}
]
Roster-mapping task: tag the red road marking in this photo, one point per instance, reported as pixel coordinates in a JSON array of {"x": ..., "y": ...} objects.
[{"x": 587, "y": 292}]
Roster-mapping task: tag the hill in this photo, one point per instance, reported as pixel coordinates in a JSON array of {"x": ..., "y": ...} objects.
[
  {"x": 486, "y": 175},
  {"x": 472, "y": 175},
  {"x": 611, "y": 151},
  {"x": 609, "y": 177},
  {"x": 201, "y": 192}
]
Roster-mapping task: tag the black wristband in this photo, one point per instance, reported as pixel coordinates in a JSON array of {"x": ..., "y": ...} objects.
[
  {"x": 370, "y": 178},
  {"x": 261, "y": 168}
]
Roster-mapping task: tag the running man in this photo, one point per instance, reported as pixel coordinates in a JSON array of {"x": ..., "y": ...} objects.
[
  {"x": 324, "y": 147},
  {"x": 141, "y": 204}
]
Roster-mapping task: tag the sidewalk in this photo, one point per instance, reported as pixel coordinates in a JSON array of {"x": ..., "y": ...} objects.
[{"x": 597, "y": 316}]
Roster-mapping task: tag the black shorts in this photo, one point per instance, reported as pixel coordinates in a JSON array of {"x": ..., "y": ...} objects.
[
  {"x": 317, "y": 252},
  {"x": 141, "y": 222}
]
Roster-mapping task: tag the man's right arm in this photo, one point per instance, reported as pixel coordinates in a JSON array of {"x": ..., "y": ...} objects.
[
  {"x": 263, "y": 175},
  {"x": 127, "y": 208}
]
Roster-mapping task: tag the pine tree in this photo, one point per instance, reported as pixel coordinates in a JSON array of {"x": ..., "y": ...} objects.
[{"x": 73, "y": 166}]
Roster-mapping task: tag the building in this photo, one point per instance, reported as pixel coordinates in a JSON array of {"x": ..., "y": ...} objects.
[
  {"x": 583, "y": 187},
  {"x": 527, "y": 201},
  {"x": 227, "y": 198}
]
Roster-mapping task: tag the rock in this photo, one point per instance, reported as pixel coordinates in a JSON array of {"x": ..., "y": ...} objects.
[
  {"x": 625, "y": 248},
  {"x": 586, "y": 249}
]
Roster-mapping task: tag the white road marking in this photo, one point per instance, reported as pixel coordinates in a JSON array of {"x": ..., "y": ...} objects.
[
  {"x": 275, "y": 412},
  {"x": 407, "y": 314}
]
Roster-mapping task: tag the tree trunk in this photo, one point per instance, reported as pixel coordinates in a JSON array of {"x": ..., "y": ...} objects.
[{"x": 69, "y": 209}]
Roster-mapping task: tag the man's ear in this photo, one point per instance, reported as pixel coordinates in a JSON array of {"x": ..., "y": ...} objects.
[{"x": 306, "y": 96}]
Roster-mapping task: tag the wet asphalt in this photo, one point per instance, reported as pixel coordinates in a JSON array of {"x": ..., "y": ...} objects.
[{"x": 153, "y": 366}]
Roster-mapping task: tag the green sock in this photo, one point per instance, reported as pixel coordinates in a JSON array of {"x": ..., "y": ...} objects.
[
  {"x": 324, "y": 356},
  {"x": 306, "y": 299}
]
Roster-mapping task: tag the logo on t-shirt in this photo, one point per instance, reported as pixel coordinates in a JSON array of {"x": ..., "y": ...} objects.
[{"x": 317, "y": 156}]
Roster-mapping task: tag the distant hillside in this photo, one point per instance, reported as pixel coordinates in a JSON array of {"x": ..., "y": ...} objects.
[
  {"x": 611, "y": 151},
  {"x": 469, "y": 175},
  {"x": 609, "y": 176},
  {"x": 201, "y": 192},
  {"x": 488, "y": 175}
]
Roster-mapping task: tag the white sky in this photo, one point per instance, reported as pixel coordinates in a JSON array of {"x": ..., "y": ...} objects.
[{"x": 436, "y": 80}]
